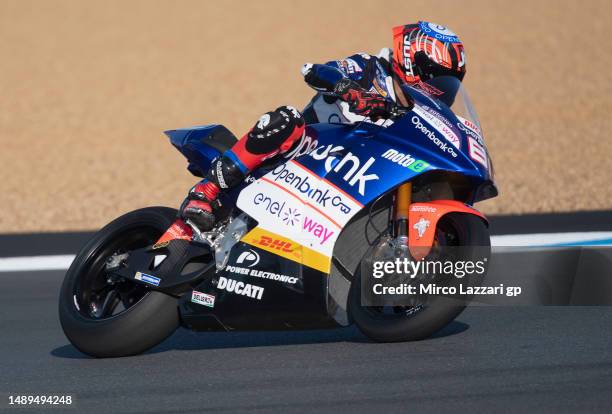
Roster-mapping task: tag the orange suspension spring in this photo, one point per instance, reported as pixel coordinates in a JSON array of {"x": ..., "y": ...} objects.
[{"x": 403, "y": 200}]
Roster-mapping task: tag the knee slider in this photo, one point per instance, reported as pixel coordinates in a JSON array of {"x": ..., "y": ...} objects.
[{"x": 273, "y": 129}]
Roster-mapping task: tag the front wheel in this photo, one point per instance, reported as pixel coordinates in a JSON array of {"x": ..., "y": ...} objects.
[
  {"x": 410, "y": 323},
  {"x": 105, "y": 317}
]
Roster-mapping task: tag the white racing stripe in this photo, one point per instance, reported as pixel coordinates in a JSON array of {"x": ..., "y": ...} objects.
[
  {"x": 32, "y": 263},
  {"x": 601, "y": 238},
  {"x": 593, "y": 238}
]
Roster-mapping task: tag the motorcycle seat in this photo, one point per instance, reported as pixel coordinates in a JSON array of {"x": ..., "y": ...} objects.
[{"x": 220, "y": 138}]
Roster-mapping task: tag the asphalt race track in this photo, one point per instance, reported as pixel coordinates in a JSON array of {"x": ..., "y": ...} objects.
[
  {"x": 504, "y": 359},
  {"x": 494, "y": 359}
]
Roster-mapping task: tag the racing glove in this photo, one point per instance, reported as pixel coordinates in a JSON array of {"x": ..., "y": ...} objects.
[{"x": 361, "y": 101}]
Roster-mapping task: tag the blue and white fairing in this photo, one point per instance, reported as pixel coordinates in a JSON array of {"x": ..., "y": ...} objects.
[{"x": 367, "y": 160}]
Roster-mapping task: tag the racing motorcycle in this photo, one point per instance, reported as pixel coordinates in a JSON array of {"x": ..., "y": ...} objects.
[{"x": 288, "y": 247}]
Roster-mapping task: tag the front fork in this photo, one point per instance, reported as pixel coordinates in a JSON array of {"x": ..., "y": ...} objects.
[
  {"x": 403, "y": 199},
  {"x": 415, "y": 223}
]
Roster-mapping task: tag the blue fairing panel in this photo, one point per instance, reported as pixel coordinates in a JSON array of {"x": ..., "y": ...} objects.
[
  {"x": 366, "y": 160},
  {"x": 190, "y": 142}
]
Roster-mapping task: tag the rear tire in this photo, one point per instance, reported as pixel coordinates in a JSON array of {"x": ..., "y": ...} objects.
[
  {"x": 148, "y": 321},
  {"x": 440, "y": 312}
]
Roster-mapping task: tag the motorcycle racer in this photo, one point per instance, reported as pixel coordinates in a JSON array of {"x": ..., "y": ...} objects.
[
  {"x": 364, "y": 87},
  {"x": 359, "y": 88}
]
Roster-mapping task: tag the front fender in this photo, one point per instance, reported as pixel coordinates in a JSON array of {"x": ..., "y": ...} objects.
[{"x": 423, "y": 219}]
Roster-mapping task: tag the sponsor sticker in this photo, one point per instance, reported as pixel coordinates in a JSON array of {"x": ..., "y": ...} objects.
[
  {"x": 425, "y": 209},
  {"x": 249, "y": 258},
  {"x": 240, "y": 288},
  {"x": 469, "y": 124},
  {"x": 308, "y": 210},
  {"x": 312, "y": 190},
  {"x": 289, "y": 249},
  {"x": 219, "y": 172},
  {"x": 279, "y": 209},
  {"x": 279, "y": 244},
  {"x": 262, "y": 274},
  {"x": 470, "y": 129},
  {"x": 477, "y": 152},
  {"x": 315, "y": 223},
  {"x": 263, "y": 121},
  {"x": 405, "y": 160},
  {"x": 432, "y": 90},
  {"x": 161, "y": 245},
  {"x": 416, "y": 121},
  {"x": 439, "y": 32},
  {"x": 302, "y": 208},
  {"x": 307, "y": 144},
  {"x": 421, "y": 226},
  {"x": 353, "y": 168},
  {"x": 292, "y": 217},
  {"x": 320, "y": 231},
  {"x": 203, "y": 299},
  {"x": 349, "y": 66},
  {"x": 439, "y": 123},
  {"x": 151, "y": 280},
  {"x": 406, "y": 53}
]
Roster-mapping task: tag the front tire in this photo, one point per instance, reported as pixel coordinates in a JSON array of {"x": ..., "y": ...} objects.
[
  {"x": 105, "y": 318},
  {"x": 419, "y": 323}
]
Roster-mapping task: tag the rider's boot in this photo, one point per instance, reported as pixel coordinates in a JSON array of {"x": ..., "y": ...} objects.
[{"x": 274, "y": 133}]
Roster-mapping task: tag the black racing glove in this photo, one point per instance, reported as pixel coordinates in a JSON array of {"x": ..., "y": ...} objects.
[{"x": 361, "y": 101}]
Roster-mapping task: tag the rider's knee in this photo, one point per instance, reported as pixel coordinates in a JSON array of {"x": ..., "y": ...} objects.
[{"x": 275, "y": 130}]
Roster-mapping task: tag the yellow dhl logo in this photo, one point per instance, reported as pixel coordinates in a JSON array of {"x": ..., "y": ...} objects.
[{"x": 287, "y": 248}]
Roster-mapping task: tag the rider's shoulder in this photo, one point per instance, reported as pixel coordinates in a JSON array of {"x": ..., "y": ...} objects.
[
  {"x": 361, "y": 58},
  {"x": 385, "y": 53}
]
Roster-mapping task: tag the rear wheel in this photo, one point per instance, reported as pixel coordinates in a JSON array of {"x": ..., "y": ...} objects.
[
  {"x": 409, "y": 323},
  {"x": 103, "y": 316}
]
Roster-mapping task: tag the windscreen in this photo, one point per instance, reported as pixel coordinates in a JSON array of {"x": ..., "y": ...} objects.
[
  {"x": 463, "y": 108},
  {"x": 451, "y": 91}
]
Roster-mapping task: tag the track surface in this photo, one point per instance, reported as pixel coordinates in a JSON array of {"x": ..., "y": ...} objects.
[
  {"x": 88, "y": 87},
  {"x": 494, "y": 359}
]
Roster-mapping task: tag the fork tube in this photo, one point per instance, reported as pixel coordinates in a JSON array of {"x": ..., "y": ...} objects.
[{"x": 402, "y": 206}]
